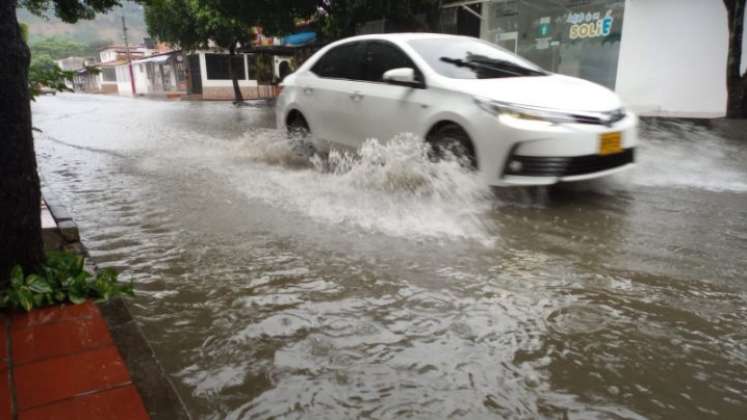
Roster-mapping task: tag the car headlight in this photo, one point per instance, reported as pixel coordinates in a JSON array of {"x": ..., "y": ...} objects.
[{"x": 523, "y": 112}]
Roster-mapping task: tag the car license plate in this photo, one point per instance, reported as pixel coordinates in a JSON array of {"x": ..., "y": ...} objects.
[{"x": 610, "y": 143}]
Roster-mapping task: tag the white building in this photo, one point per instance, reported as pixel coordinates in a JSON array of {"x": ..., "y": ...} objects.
[
  {"x": 664, "y": 57},
  {"x": 71, "y": 64},
  {"x": 115, "y": 74},
  {"x": 209, "y": 76},
  {"x": 162, "y": 74}
]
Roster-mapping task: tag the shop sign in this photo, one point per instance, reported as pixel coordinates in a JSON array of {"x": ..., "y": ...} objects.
[
  {"x": 590, "y": 25},
  {"x": 544, "y": 27}
]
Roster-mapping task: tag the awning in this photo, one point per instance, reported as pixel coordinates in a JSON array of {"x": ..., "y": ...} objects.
[
  {"x": 462, "y": 3},
  {"x": 300, "y": 39},
  {"x": 157, "y": 60}
]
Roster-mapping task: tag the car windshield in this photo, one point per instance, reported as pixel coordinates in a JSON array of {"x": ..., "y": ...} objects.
[{"x": 466, "y": 58}]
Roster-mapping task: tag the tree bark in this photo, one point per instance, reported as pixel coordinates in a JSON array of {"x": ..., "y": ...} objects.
[
  {"x": 237, "y": 96},
  {"x": 736, "y": 83},
  {"x": 20, "y": 195}
]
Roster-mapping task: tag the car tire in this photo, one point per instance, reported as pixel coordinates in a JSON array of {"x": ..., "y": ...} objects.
[
  {"x": 298, "y": 127},
  {"x": 454, "y": 140},
  {"x": 299, "y": 136}
]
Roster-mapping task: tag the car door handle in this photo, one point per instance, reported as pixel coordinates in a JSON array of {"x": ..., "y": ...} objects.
[
  {"x": 357, "y": 97},
  {"x": 308, "y": 90}
]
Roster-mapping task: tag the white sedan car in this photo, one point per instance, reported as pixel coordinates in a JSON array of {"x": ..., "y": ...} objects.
[{"x": 516, "y": 123}]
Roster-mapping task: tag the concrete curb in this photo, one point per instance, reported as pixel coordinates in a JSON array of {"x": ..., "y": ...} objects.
[{"x": 156, "y": 389}]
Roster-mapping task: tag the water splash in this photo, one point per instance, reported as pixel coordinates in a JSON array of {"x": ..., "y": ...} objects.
[
  {"x": 392, "y": 188},
  {"x": 682, "y": 155}
]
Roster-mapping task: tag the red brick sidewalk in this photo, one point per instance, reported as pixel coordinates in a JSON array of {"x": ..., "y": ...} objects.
[{"x": 60, "y": 363}]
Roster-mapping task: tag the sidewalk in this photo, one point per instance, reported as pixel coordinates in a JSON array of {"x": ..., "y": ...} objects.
[
  {"x": 80, "y": 362},
  {"x": 61, "y": 363}
]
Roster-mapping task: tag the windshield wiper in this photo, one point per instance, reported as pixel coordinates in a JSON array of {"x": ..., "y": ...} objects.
[{"x": 502, "y": 66}]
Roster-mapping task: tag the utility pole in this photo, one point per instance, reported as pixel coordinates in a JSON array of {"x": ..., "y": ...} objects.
[{"x": 129, "y": 57}]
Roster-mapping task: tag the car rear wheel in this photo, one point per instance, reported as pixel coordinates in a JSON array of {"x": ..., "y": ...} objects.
[
  {"x": 299, "y": 136},
  {"x": 452, "y": 140},
  {"x": 298, "y": 128}
]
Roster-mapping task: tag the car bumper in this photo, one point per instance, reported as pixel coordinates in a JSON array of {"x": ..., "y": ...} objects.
[
  {"x": 549, "y": 154},
  {"x": 519, "y": 180}
]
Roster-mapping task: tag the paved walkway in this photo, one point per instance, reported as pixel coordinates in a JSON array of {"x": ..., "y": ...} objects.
[{"x": 61, "y": 363}]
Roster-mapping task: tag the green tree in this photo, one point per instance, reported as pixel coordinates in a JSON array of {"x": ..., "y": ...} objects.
[
  {"x": 192, "y": 24},
  {"x": 341, "y": 18},
  {"x": 69, "y": 11},
  {"x": 20, "y": 195},
  {"x": 57, "y": 48},
  {"x": 45, "y": 73},
  {"x": 736, "y": 82},
  {"x": 274, "y": 16}
]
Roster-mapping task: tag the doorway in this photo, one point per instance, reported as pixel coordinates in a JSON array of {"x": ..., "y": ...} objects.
[{"x": 195, "y": 75}]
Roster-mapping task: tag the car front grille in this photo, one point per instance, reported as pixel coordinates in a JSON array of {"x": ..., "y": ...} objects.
[
  {"x": 601, "y": 118},
  {"x": 566, "y": 166}
]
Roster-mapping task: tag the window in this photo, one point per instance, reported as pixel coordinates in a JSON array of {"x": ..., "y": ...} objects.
[
  {"x": 466, "y": 58},
  {"x": 381, "y": 57},
  {"x": 341, "y": 62},
  {"x": 579, "y": 38},
  {"x": 109, "y": 75},
  {"x": 217, "y": 67}
]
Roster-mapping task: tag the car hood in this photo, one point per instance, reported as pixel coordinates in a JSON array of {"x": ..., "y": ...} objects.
[{"x": 555, "y": 92}]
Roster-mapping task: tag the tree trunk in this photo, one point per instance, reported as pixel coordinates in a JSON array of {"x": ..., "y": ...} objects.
[
  {"x": 20, "y": 196},
  {"x": 736, "y": 82},
  {"x": 237, "y": 97}
]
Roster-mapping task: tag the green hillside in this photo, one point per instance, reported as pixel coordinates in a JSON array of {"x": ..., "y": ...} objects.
[{"x": 107, "y": 27}]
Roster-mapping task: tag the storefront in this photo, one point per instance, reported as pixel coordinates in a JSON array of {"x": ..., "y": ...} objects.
[
  {"x": 575, "y": 37},
  {"x": 664, "y": 57}
]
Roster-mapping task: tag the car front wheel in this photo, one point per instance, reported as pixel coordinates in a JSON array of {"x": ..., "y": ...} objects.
[
  {"x": 452, "y": 140},
  {"x": 299, "y": 136}
]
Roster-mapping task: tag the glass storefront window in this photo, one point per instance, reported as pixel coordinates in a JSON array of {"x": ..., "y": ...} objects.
[{"x": 578, "y": 38}]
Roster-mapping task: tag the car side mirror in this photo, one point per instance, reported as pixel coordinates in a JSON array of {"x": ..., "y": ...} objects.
[{"x": 404, "y": 76}]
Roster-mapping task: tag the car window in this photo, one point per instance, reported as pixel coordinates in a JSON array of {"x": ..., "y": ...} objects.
[
  {"x": 381, "y": 57},
  {"x": 341, "y": 62},
  {"x": 468, "y": 58}
]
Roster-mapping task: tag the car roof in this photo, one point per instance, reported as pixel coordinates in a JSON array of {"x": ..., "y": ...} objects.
[{"x": 401, "y": 36}]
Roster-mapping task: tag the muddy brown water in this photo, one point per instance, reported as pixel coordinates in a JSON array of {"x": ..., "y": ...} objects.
[{"x": 387, "y": 286}]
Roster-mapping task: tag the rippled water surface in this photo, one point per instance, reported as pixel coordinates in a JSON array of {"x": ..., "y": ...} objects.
[{"x": 386, "y": 286}]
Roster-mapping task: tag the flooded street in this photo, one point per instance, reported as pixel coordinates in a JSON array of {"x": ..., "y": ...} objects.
[{"x": 389, "y": 286}]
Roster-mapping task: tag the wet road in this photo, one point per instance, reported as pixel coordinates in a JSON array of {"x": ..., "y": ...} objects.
[{"x": 393, "y": 287}]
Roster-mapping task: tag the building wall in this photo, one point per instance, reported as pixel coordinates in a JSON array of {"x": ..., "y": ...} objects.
[
  {"x": 673, "y": 57},
  {"x": 226, "y": 93},
  {"x": 108, "y": 55},
  {"x": 110, "y": 88},
  {"x": 71, "y": 63},
  {"x": 142, "y": 84},
  {"x": 123, "y": 80},
  {"x": 744, "y": 45}
]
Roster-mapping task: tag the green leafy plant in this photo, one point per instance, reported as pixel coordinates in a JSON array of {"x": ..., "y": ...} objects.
[
  {"x": 43, "y": 75},
  {"x": 62, "y": 278}
]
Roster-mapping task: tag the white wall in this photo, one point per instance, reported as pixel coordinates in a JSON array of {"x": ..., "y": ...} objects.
[
  {"x": 142, "y": 83},
  {"x": 123, "y": 80},
  {"x": 744, "y": 44},
  {"x": 108, "y": 55},
  {"x": 673, "y": 57}
]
